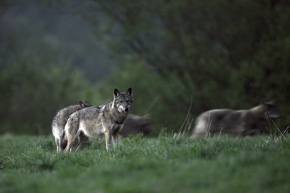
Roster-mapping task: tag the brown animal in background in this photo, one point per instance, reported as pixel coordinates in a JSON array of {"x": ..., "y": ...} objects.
[
  {"x": 238, "y": 123},
  {"x": 60, "y": 120},
  {"x": 134, "y": 125}
]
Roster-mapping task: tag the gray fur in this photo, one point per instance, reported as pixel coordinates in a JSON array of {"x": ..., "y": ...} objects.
[
  {"x": 105, "y": 120},
  {"x": 59, "y": 121},
  {"x": 238, "y": 123}
]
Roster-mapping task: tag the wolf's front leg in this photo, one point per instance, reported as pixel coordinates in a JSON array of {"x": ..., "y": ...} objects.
[
  {"x": 115, "y": 140},
  {"x": 108, "y": 137}
]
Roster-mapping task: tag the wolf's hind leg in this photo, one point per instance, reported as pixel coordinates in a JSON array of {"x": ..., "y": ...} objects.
[
  {"x": 57, "y": 141},
  {"x": 71, "y": 132},
  {"x": 82, "y": 141},
  {"x": 70, "y": 142}
]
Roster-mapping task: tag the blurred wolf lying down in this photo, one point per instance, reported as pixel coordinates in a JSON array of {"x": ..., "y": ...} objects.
[
  {"x": 134, "y": 125},
  {"x": 238, "y": 123}
]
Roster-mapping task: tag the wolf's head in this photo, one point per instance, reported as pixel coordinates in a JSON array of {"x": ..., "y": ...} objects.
[
  {"x": 123, "y": 101},
  {"x": 271, "y": 110},
  {"x": 267, "y": 110}
]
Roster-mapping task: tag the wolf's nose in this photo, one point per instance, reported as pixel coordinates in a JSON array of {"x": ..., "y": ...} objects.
[{"x": 126, "y": 109}]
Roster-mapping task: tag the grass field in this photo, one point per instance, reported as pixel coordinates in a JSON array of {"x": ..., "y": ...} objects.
[{"x": 163, "y": 164}]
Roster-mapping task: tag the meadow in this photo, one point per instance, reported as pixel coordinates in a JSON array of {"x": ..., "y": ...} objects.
[{"x": 168, "y": 163}]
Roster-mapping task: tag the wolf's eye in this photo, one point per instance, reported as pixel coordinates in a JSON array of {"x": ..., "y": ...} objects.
[
  {"x": 120, "y": 101},
  {"x": 127, "y": 101}
]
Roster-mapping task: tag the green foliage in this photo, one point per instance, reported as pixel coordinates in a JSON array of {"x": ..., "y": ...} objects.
[
  {"x": 164, "y": 164},
  {"x": 152, "y": 94},
  {"x": 178, "y": 56},
  {"x": 32, "y": 94},
  {"x": 221, "y": 54}
]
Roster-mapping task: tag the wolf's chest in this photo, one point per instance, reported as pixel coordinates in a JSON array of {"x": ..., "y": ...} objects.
[{"x": 116, "y": 127}]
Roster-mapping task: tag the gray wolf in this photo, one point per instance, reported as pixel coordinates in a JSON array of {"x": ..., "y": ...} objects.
[
  {"x": 238, "y": 123},
  {"x": 59, "y": 121},
  {"x": 134, "y": 125},
  {"x": 93, "y": 122}
]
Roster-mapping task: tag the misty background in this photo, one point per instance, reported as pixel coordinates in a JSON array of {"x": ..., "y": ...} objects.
[{"x": 180, "y": 57}]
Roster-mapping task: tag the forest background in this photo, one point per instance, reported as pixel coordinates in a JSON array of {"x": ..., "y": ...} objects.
[{"x": 180, "y": 57}]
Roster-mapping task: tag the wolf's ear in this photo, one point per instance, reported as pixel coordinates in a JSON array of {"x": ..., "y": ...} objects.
[
  {"x": 81, "y": 103},
  {"x": 85, "y": 103},
  {"x": 129, "y": 91},
  {"x": 116, "y": 93}
]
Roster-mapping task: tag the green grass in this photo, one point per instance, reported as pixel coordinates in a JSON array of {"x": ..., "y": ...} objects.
[{"x": 163, "y": 164}]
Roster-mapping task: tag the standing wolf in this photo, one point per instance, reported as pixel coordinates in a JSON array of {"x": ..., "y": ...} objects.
[
  {"x": 94, "y": 121},
  {"x": 60, "y": 120},
  {"x": 238, "y": 123}
]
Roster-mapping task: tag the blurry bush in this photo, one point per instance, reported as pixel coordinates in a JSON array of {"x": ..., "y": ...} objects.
[
  {"x": 153, "y": 95},
  {"x": 31, "y": 94},
  {"x": 217, "y": 54},
  {"x": 220, "y": 54}
]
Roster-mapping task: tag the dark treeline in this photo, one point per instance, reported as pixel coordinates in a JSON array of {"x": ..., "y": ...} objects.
[
  {"x": 219, "y": 54},
  {"x": 213, "y": 54},
  {"x": 47, "y": 58}
]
